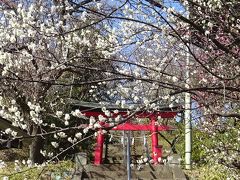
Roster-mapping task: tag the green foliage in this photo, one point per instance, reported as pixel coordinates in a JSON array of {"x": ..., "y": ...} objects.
[
  {"x": 211, "y": 171},
  {"x": 216, "y": 172},
  {"x": 13, "y": 154},
  {"x": 210, "y": 158},
  {"x": 61, "y": 169},
  {"x": 198, "y": 139}
]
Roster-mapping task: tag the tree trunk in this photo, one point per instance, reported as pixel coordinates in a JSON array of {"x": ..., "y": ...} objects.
[{"x": 34, "y": 148}]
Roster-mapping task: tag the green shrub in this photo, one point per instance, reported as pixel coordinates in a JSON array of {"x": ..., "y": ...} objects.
[
  {"x": 60, "y": 169},
  {"x": 217, "y": 172}
]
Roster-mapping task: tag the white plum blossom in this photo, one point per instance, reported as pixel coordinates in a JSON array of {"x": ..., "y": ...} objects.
[
  {"x": 77, "y": 113},
  {"x": 92, "y": 120},
  {"x": 136, "y": 99},
  {"x": 118, "y": 102},
  {"x": 123, "y": 103},
  {"x": 115, "y": 111},
  {"x": 146, "y": 102},
  {"x": 78, "y": 135},
  {"x": 29, "y": 163},
  {"x": 13, "y": 101},
  {"x": 2, "y": 164},
  {"x": 50, "y": 154},
  {"x": 38, "y": 109},
  {"x": 55, "y": 144},
  {"x": 5, "y": 178},
  {"x": 13, "y": 109},
  {"x": 97, "y": 125},
  {"x": 14, "y": 133},
  {"x": 118, "y": 118},
  {"x": 72, "y": 140},
  {"x": 67, "y": 117},
  {"x": 166, "y": 97},
  {"x": 8, "y": 131},
  {"x": 175, "y": 79},
  {"x": 99, "y": 5},
  {"x": 59, "y": 114},
  {"x": 107, "y": 113},
  {"x": 52, "y": 125},
  {"x": 55, "y": 136},
  {"x": 23, "y": 126},
  {"x": 66, "y": 123},
  {"x": 43, "y": 152},
  {"x": 101, "y": 118},
  {"x": 85, "y": 130},
  {"x": 62, "y": 134}
]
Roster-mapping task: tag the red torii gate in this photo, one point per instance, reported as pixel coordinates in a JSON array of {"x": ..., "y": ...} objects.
[{"x": 153, "y": 127}]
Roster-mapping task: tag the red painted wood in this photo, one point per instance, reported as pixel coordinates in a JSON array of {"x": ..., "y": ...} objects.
[
  {"x": 99, "y": 149},
  {"x": 133, "y": 127},
  {"x": 156, "y": 153},
  {"x": 140, "y": 127}
]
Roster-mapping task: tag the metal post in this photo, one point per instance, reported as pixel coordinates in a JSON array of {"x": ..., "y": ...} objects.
[
  {"x": 128, "y": 156},
  {"x": 145, "y": 144},
  {"x": 187, "y": 117}
]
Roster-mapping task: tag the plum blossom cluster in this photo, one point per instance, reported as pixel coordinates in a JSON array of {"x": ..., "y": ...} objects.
[{"x": 10, "y": 111}]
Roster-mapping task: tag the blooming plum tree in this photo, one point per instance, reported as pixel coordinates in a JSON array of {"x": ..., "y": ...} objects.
[{"x": 135, "y": 49}]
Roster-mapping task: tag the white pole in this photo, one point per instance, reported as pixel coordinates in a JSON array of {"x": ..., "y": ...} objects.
[
  {"x": 124, "y": 148},
  {"x": 187, "y": 117},
  {"x": 188, "y": 131},
  {"x": 128, "y": 156}
]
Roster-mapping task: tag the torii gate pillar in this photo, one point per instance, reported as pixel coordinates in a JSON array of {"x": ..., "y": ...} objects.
[
  {"x": 156, "y": 149},
  {"x": 99, "y": 148}
]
